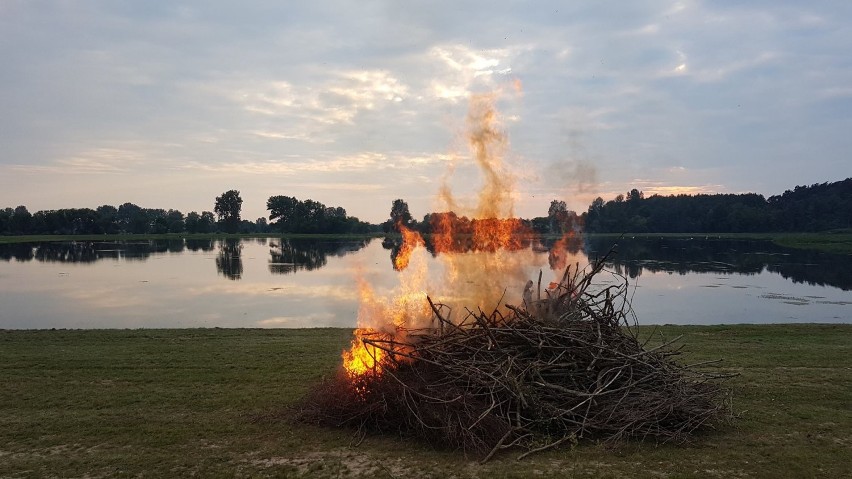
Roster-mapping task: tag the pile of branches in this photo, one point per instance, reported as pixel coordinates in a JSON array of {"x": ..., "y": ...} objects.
[{"x": 552, "y": 371}]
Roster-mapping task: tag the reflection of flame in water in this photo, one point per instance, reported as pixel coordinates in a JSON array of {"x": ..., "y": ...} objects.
[
  {"x": 410, "y": 240},
  {"x": 484, "y": 254}
]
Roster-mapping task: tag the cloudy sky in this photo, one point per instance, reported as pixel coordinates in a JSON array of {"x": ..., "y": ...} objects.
[{"x": 167, "y": 104}]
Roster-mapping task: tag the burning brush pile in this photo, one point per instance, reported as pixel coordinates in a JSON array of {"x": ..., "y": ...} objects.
[
  {"x": 546, "y": 366},
  {"x": 553, "y": 370}
]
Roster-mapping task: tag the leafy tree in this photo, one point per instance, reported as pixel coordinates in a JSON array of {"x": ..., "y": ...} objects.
[
  {"x": 107, "y": 218},
  {"x": 399, "y": 215},
  {"x": 634, "y": 195},
  {"x": 557, "y": 216},
  {"x": 132, "y": 219},
  {"x": 21, "y": 220},
  {"x": 228, "y": 207},
  {"x": 175, "y": 221},
  {"x": 284, "y": 213},
  {"x": 206, "y": 222},
  {"x": 6, "y": 220},
  {"x": 191, "y": 222},
  {"x": 290, "y": 215}
]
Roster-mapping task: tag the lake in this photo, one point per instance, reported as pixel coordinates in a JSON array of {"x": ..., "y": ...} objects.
[{"x": 294, "y": 283}]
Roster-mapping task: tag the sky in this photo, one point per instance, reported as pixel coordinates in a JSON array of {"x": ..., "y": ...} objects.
[{"x": 167, "y": 104}]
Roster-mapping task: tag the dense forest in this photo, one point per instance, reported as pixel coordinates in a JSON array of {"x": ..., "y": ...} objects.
[
  {"x": 128, "y": 218},
  {"x": 819, "y": 207}
]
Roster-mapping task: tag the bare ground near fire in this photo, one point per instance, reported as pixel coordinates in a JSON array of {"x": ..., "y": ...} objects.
[{"x": 214, "y": 403}]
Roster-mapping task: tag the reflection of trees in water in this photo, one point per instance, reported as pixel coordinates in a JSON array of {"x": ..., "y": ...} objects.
[
  {"x": 460, "y": 244},
  {"x": 229, "y": 261},
  {"x": 200, "y": 244},
  {"x": 82, "y": 252},
  {"x": 682, "y": 256},
  {"x": 91, "y": 251},
  {"x": 288, "y": 255},
  {"x": 78, "y": 251},
  {"x": 17, "y": 251},
  {"x": 816, "y": 271},
  {"x": 558, "y": 249},
  {"x": 676, "y": 255}
]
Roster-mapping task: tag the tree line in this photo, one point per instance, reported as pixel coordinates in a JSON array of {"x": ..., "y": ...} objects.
[
  {"x": 559, "y": 220},
  {"x": 818, "y": 207},
  {"x": 290, "y": 215}
]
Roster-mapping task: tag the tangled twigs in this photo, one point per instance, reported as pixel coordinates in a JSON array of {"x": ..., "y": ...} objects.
[{"x": 557, "y": 369}]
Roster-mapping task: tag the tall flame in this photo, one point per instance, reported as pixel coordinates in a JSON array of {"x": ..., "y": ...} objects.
[{"x": 483, "y": 254}]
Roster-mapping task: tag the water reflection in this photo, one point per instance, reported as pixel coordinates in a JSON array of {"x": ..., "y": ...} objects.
[
  {"x": 634, "y": 256},
  {"x": 707, "y": 255},
  {"x": 229, "y": 260},
  {"x": 248, "y": 283},
  {"x": 291, "y": 255},
  {"x": 204, "y": 245},
  {"x": 286, "y": 255}
]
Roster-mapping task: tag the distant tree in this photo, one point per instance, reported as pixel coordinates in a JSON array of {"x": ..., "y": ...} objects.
[
  {"x": 560, "y": 219},
  {"x": 191, "y": 222},
  {"x": 284, "y": 213},
  {"x": 557, "y": 215},
  {"x": 261, "y": 226},
  {"x": 176, "y": 222},
  {"x": 132, "y": 219},
  {"x": 228, "y": 207},
  {"x": 634, "y": 195},
  {"x": 21, "y": 220},
  {"x": 399, "y": 214},
  {"x": 158, "y": 223},
  {"x": 290, "y": 215},
  {"x": 107, "y": 218},
  {"x": 206, "y": 222},
  {"x": 6, "y": 220}
]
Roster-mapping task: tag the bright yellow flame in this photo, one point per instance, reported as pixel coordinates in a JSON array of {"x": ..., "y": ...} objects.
[
  {"x": 484, "y": 255},
  {"x": 362, "y": 358}
]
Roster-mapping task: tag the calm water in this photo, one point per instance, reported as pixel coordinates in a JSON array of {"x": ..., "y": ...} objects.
[{"x": 309, "y": 283}]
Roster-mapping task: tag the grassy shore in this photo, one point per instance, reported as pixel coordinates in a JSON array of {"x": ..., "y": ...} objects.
[
  {"x": 838, "y": 242},
  {"x": 213, "y": 403}
]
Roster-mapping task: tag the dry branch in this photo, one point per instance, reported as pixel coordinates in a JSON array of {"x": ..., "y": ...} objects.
[{"x": 554, "y": 370}]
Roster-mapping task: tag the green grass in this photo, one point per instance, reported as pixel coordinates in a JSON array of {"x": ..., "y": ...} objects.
[
  {"x": 838, "y": 242},
  {"x": 213, "y": 403}
]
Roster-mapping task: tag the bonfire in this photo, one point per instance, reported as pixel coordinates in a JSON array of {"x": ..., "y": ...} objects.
[{"x": 481, "y": 362}]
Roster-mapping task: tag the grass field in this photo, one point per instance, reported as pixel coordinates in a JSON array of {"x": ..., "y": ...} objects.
[{"x": 213, "y": 403}]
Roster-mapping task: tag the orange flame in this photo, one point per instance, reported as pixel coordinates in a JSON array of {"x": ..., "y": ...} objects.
[
  {"x": 410, "y": 240},
  {"x": 363, "y": 358},
  {"x": 483, "y": 257}
]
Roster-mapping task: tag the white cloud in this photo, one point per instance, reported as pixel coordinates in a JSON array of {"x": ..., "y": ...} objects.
[{"x": 266, "y": 95}]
